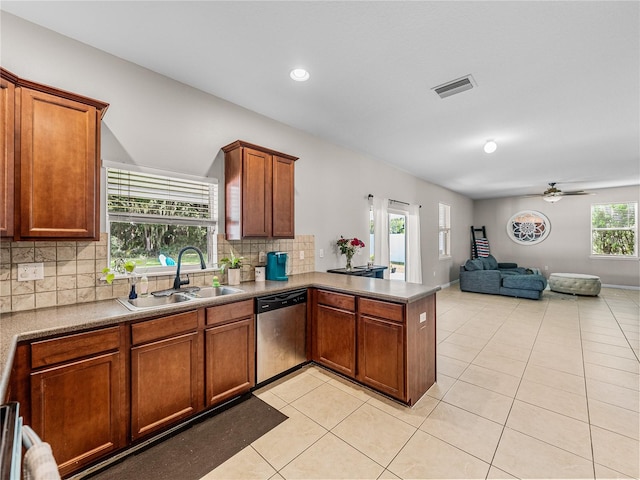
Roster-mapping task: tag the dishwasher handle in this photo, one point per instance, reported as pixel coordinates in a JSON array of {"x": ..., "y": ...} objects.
[{"x": 274, "y": 302}]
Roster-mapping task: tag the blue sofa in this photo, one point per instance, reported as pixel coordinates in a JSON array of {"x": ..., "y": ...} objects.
[{"x": 487, "y": 275}]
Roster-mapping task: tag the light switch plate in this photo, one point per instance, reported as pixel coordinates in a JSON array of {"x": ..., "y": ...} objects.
[
  {"x": 30, "y": 271},
  {"x": 423, "y": 317}
]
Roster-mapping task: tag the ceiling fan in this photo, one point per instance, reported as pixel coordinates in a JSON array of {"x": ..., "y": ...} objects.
[{"x": 553, "y": 194}]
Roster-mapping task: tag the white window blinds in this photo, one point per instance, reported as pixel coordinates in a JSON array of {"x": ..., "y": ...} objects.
[{"x": 151, "y": 198}]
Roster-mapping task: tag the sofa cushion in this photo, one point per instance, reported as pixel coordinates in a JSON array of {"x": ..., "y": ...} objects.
[
  {"x": 472, "y": 265},
  {"x": 489, "y": 263},
  {"x": 525, "y": 282}
]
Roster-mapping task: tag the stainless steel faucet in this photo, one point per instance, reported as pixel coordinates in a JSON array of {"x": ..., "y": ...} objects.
[{"x": 177, "y": 283}]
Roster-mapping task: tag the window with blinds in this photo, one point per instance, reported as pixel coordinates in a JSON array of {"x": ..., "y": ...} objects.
[
  {"x": 152, "y": 217},
  {"x": 614, "y": 229},
  {"x": 444, "y": 230},
  {"x": 136, "y": 196}
]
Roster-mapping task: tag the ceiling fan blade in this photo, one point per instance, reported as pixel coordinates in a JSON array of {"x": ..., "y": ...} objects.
[{"x": 578, "y": 192}]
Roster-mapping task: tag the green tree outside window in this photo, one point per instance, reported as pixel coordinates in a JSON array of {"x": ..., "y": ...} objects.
[{"x": 614, "y": 229}]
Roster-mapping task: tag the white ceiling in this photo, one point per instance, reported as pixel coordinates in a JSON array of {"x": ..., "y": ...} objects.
[{"x": 557, "y": 82}]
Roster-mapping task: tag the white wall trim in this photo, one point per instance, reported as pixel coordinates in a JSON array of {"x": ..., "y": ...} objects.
[{"x": 621, "y": 287}]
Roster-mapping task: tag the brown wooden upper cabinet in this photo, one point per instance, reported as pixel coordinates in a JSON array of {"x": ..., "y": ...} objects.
[
  {"x": 259, "y": 192},
  {"x": 56, "y": 159},
  {"x": 7, "y": 157}
]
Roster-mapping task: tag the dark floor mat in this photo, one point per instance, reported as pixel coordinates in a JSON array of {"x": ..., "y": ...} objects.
[{"x": 194, "y": 452}]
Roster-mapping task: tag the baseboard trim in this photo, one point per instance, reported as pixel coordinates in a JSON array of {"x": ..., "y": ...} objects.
[
  {"x": 621, "y": 287},
  {"x": 447, "y": 285}
]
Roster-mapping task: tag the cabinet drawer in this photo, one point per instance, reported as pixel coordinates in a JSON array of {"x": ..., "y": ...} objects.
[
  {"x": 164, "y": 327},
  {"x": 230, "y": 311},
  {"x": 386, "y": 310},
  {"x": 64, "y": 349},
  {"x": 338, "y": 300}
]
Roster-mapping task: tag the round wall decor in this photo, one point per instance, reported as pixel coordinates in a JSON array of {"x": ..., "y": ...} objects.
[{"x": 528, "y": 227}]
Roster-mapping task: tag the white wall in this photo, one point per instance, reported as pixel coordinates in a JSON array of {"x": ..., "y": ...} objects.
[
  {"x": 567, "y": 247},
  {"x": 156, "y": 122}
]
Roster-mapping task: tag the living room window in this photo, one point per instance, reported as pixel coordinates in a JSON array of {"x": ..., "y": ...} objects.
[
  {"x": 614, "y": 229},
  {"x": 444, "y": 230},
  {"x": 152, "y": 216}
]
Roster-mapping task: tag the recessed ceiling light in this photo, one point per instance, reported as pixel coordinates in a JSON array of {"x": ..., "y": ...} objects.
[
  {"x": 299, "y": 75},
  {"x": 490, "y": 146}
]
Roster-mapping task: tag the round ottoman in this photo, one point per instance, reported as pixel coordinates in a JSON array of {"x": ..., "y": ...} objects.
[{"x": 575, "y": 283}]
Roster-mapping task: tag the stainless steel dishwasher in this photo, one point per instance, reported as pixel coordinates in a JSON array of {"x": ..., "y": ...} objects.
[{"x": 281, "y": 333}]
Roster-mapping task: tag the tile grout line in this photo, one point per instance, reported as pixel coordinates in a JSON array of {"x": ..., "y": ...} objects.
[
  {"x": 517, "y": 389},
  {"x": 586, "y": 392}
]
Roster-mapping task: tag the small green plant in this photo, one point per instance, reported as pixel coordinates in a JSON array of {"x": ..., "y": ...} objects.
[
  {"x": 230, "y": 262},
  {"x": 120, "y": 266}
]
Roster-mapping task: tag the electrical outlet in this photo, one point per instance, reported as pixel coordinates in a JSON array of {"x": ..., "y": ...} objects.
[
  {"x": 30, "y": 271},
  {"x": 262, "y": 257},
  {"x": 546, "y": 267},
  {"x": 301, "y": 254},
  {"x": 321, "y": 253}
]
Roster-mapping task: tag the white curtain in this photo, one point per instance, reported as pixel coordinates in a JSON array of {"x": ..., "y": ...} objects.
[
  {"x": 381, "y": 232},
  {"x": 413, "y": 258}
]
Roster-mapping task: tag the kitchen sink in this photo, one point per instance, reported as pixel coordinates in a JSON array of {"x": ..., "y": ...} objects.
[
  {"x": 208, "y": 292},
  {"x": 142, "y": 303},
  {"x": 164, "y": 298}
]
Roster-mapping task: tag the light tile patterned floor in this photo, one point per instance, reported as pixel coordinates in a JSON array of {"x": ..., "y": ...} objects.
[{"x": 526, "y": 389}]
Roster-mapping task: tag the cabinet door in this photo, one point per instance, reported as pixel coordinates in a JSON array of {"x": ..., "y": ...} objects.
[
  {"x": 58, "y": 167},
  {"x": 7, "y": 156},
  {"x": 77, "y": 408},
  {"x": 335, "y": 339},
  {"x": 230, "y": 360},
  {"x": 283, "y": 198},
  {"x": 256, "y": 193},
  {"x": 164, "y": 383},
  {"x": 381, "y": 355}
]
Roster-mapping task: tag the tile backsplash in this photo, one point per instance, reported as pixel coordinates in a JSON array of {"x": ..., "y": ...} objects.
[{"x": 73, "y": 270}]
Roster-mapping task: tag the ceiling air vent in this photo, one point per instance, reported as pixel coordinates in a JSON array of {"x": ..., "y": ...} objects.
[{"x": 455, "y": 86}]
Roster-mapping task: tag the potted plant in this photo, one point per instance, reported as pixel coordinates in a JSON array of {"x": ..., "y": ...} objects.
[
  {"x": 233, "y": 265},
  {"x": 120, "y": 266}
]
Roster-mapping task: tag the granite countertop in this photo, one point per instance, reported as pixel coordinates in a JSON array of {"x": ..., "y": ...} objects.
[{"x": 33, "y": 324}]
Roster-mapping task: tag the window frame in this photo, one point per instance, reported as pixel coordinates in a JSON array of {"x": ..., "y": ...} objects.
[
  {"x": 444, "y": 230},
  {"x": 211, "y": 224},
  {"x": 398, "y": 212},
  {"x": 634, "y": 229}
]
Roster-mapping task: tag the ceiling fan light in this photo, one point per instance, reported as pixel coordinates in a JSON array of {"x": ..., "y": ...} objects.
[
  {"x": 490, "y": 146},
  {"x": 552, "y": 198}
]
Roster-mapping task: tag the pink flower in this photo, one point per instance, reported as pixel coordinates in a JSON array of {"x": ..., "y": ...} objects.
[{"x": 349, "y": 246}]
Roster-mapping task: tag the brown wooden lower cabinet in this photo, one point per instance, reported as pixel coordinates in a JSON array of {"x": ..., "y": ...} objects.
[
  {"x": 381, "y": 355},
  {"x": 230, "y": 360},
  {"x": 381, "y": 346},
  {"x": 334, "y": 331},
  {"x": 229, "y": 351},
  {"x": 76, "y": 387},
  {"x": 77, "y": 406},
  {"x": 166, "y": 372},
  {"x": 392, "y": 349}
]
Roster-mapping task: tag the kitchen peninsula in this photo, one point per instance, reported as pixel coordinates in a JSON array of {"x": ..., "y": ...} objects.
[{"x": 376, "y": 332}]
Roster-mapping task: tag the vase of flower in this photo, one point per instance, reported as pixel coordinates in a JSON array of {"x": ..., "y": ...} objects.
[
  {"x": 349, "y": 256},
  {"x": 349, "y": 247}
]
